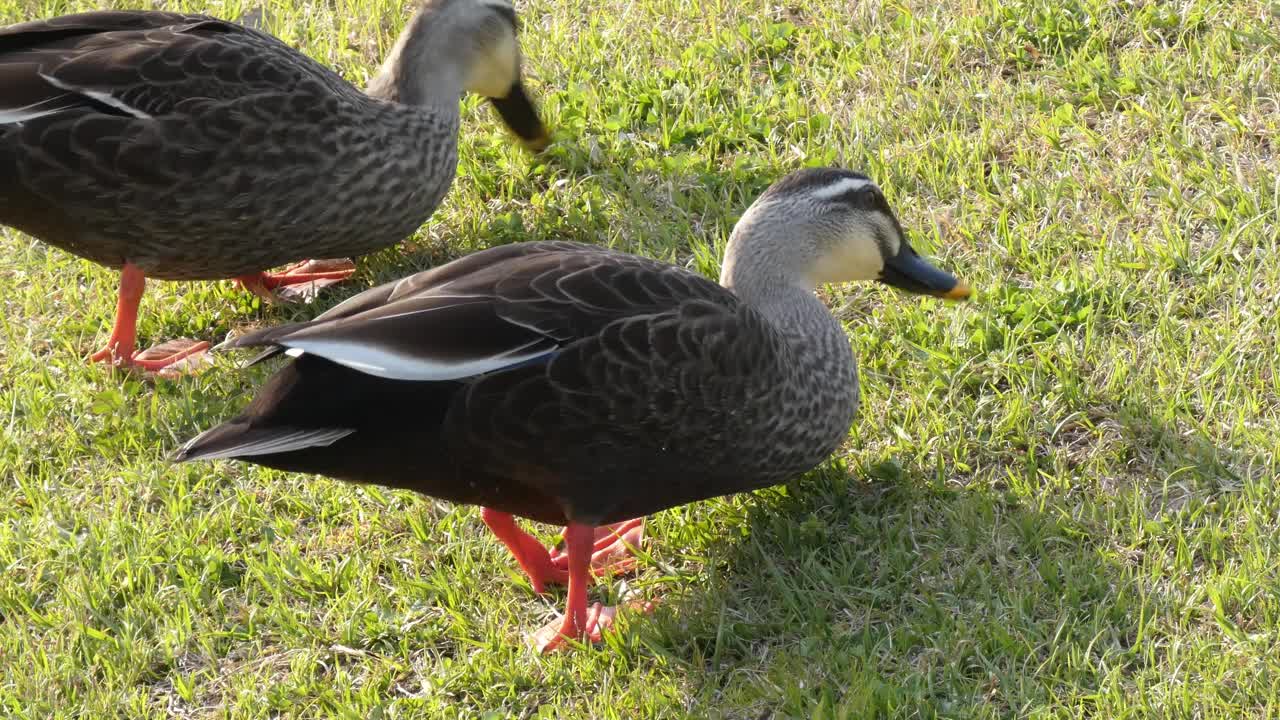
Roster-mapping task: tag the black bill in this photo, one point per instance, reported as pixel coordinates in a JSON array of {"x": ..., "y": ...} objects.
[
  {"x": 908, "y": 271},
  {"x": 521, "y": 116}
]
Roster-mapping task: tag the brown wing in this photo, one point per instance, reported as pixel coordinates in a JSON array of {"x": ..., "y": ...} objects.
[
  {"x": 571, "y": 381},
  {"x": 490, "y": 311},
  {"x": 616, "y": 384}
]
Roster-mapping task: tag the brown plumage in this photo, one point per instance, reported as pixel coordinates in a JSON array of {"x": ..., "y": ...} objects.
[
  {"x": 182, "y": 147},
  {"x": 580, "y": 386}
]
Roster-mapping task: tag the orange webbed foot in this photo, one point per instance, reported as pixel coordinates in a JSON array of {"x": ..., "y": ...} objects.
[
  {"x": 300, "y": 281},
  {"x": 170, "y": 359},
  {"x": 600, "y": 619}
]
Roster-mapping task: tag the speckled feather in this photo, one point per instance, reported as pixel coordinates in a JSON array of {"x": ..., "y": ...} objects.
[
  {"x": 191, "y": 147},
  {"x": 664, "y": 388}
]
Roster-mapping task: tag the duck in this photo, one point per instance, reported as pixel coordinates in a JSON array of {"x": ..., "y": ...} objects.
[
  {"x": 182, "y": 147},
  {"x": 584, "y": 387}
]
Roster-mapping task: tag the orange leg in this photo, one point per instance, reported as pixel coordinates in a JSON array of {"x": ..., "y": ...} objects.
[
  {"x": 320, "y": 273},
  {"x": 121, "y": 346},
  {"x": 609, "y": 556},
  {"x": 528, "y": 552},
  {"x": 576, "y": 623},
  {"x": 580, "y": 621}
]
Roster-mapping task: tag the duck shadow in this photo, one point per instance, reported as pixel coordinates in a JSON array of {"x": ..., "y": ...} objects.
[
  {"x": 862, "y": 597},
  {"x": 881, "y": 592}
]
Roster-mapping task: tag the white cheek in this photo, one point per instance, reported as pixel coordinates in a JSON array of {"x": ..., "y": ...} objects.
[
  {"x": 888, "y": 231},
  {"x": 495, "y": 72},
  {"x": 851, "y": 261}
]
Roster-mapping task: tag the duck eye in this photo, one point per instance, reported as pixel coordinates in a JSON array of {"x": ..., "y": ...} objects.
[
  {"x": 863, "y": 199},
  {"x": 871, "y": 199}
]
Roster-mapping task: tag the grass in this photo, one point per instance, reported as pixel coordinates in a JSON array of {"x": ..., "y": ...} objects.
[{"x": 1059, "y": 501}]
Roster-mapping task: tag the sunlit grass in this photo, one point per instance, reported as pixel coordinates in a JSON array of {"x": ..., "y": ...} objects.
[{"x": 1059, "y": 500}]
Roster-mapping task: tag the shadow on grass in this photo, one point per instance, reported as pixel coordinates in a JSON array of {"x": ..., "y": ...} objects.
[
  {"x": 894, "y": 596},
  {"x": 847, "y": 598}
]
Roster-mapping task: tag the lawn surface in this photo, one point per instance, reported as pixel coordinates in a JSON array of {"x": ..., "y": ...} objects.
[{"x": 1058, "y": 501}]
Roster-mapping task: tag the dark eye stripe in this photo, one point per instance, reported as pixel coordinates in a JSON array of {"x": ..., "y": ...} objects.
[{"x": 865, "y": 198}]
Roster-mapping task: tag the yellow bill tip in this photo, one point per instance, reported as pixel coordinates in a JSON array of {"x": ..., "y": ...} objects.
[{"x": 960, "y": 292}]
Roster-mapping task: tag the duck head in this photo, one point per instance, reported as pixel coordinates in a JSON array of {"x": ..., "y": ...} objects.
[
  {"x": 840, "y": 228},
  {"x": 463, "y": 46},
  {"x": 495, "y": 72}
]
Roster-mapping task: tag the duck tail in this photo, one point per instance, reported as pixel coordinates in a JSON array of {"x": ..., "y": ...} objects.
[
  {"x": 240, "y": 439},
  {"x": 210, "y": 442}
]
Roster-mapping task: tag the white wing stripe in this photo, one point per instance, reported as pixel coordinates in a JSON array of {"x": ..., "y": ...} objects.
[
  {"x": 104, "y": 98},
  {"x": 384, "y": 363}
]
